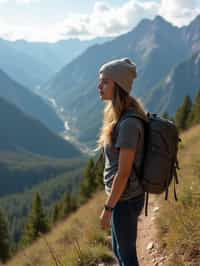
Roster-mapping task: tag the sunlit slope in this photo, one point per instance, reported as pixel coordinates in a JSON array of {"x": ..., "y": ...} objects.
[
  {"x": 178, "y": 222},
  {"x": 77, "y": 238}
]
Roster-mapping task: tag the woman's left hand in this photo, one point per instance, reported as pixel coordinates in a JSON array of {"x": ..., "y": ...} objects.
[{"x": 105, "y": 219}]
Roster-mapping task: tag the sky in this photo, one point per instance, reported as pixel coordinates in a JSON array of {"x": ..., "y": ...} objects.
[{"x": 53, "y": 20}]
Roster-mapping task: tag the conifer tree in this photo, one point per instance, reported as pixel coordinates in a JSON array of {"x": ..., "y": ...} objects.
[
  {"x": 194, "y": 117},
  {"x": 4, "y": 239},
  {"x": 183, "y": 113},
  {"x": 37, "y": 221},
  {"x": 89, "y": 184},
  {"x": 99, "y": 172},
  {"x": 68, "y": 204},
  {"x": 55, "y": 215}
]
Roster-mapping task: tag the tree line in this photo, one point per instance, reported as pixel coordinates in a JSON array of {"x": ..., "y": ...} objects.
[
  {"x": 188, "y": 114},
  {"x": 40, "y": 221}
]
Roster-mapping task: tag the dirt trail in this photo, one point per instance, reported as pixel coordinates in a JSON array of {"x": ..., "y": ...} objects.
[{"x": 147, "y": 243}]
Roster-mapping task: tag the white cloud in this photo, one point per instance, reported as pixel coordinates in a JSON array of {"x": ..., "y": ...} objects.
[
  {"x": 179, "y": 12},
  {"x": 15, "y": 32},
  {"x": 107, "y": 20}
]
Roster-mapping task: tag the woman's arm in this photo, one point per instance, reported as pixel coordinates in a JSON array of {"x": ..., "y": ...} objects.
[{"x": 126, "y": 160}]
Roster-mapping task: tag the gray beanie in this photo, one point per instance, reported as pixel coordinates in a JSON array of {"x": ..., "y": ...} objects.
[{"x": 122, "y": 71}]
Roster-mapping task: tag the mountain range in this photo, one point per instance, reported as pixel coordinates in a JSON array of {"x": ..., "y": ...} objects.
[
  {"x": 29, "y": 102},
  {"x": 34, "y": 63},
  {"x": 156, "y": 46},
  {"x": 21, "y": 133}
]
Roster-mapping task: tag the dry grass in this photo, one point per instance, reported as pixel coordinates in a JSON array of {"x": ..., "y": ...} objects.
[
  {"x": 178, "y": 223},
  {"x": 76, "y": 241}
]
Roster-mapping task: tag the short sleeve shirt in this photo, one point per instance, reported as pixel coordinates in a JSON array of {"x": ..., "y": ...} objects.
[{"x": 129, "y": 133}]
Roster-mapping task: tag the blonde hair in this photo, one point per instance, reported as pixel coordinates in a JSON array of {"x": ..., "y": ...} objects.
[{"x": 113, "y": 111}]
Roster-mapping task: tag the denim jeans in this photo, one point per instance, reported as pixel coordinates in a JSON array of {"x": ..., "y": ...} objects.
[{"x": 124, "y": 230}]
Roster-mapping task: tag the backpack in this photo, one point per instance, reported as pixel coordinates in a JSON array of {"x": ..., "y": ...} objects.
[{"x": 159, "y": 164}]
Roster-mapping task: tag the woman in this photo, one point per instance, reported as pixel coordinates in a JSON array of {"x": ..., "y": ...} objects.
[{"x": 122, "y": 139}]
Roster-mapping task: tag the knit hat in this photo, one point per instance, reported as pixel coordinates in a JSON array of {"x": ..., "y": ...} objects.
[{"x": 122, "y": 71}]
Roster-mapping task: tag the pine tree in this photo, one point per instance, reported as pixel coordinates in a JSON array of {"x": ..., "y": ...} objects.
[
  {"x": 89, "y": 184},
  {"x": 4, "y": 239},
  {"x": 55, "y": 215},
  {"x": 99, "y": 167},
  {"x": 37, "y": 222},
  {"x": 194, "y": 117},
  {"x": 183, "y": 113},
  {"x": 68, "y": 204}
]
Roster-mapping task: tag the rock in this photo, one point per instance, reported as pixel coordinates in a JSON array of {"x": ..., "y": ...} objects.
[
  {"x": 150, "y": 246},
  {"x": 156, "y": 209},
  {"x": 162, "y": 259}
]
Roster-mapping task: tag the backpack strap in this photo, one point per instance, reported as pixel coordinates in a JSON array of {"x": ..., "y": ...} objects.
[
  {"x": 146, "y": 203},
  {"x": 139, "y": 171},
  {"x": 174, "y": 176},
  {"x": 176, "y": 181}
]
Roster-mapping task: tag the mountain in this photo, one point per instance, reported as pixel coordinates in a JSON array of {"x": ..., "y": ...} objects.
[
  {"x": 146, "y": 44},
  {"x": 36, "y": 62},
  {"x": 19, "y": 132},
  {"x": 25, "y": 69},
  {"x": 58, "y": 54},
  {"x": 182, "y": 80},
  {"x": 25, "y": 170},
  {"x": 29, "y": 102},
  {"x": 155, "y": 45},
  {"x": 191, "y": 35}
]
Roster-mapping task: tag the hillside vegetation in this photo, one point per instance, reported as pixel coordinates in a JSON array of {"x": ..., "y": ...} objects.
[
  {"x": 19, "y": 132},
  {"x": 178, "y": 223},
  {"x": 80, "y": 241},
  {"x": 76, "y": 241}
]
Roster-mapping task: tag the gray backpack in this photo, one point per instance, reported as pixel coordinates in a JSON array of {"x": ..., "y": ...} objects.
[{"x": 160, "y": 162}]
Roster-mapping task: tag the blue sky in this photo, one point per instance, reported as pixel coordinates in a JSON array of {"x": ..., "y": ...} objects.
[{"x": 51, "y": 20}]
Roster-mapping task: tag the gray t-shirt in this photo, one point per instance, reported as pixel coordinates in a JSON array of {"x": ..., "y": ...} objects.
[{"x": 129, "y": 133}]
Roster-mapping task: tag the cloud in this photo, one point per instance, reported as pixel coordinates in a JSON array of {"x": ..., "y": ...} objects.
[
  {"x": 179, "y": 12},
  {"x": 16, "y": 32},
  {"x": 108, "y": 20}
]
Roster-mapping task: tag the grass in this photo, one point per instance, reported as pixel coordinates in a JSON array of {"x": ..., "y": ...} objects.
[
  {"x": 78, "y": 241},
  {"x": 178, "y": 222}
]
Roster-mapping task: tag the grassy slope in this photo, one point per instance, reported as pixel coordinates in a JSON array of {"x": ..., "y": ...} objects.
[
  {"x": 178, "y": 223},
  {"x": 79, "y": 237}
]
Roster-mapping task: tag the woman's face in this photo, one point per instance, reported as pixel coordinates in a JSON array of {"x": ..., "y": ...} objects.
[{"x": 106, "y": 87}]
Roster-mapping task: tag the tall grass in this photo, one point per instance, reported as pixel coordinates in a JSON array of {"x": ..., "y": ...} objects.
[
  {"x": 179, "y": 222},
  {"x": 77, "y": 241}
]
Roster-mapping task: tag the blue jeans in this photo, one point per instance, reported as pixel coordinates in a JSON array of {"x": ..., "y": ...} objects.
[{"x": 124, "y": 230}]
